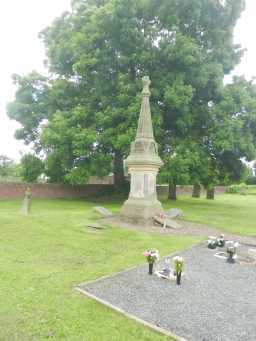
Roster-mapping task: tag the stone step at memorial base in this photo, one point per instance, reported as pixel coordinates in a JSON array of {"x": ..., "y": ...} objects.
[{"x": 140, "y": 211}]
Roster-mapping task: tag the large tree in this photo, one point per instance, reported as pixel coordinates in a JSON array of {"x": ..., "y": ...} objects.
[
  {"x": 84, "y": 116},
  {"x": 232, "y": 132}
]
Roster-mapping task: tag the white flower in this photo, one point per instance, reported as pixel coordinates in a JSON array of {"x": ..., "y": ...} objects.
[
  {"x": 178, "y": 259},
  {"x": 156, "y": 255}
]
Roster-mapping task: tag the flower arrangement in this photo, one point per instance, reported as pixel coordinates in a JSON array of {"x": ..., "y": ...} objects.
[
  {"x": 162, "y": 215},
  {"x": 178, "y": 267},
  {"x": 152, "y": 256}
]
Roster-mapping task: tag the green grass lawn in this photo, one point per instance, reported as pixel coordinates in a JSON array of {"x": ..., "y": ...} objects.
[
  {"x": 42, "y": 258},
  {"x": 251, "y": 189},
  {"x": 232, "y": 213}
]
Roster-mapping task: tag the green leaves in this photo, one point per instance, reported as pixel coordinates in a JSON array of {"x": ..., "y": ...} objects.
[
  {"x": 31, "y": 167},
  {"x": 87, "y": 111}
]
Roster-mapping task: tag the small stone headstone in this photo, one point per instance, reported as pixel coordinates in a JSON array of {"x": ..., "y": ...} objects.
[
  {"x": 172, "y": 224},
  {"x": 165, "y": 222},
  {"x": 103, "y": 211},
  {"x": 26, "y": 204},
  {"x": 252, "y": 253},
  {"x": 174, "y": 213},
  {"x": 96, "y": 226}
]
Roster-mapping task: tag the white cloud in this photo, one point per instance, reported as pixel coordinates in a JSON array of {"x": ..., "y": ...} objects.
[
  {"x": 22, "y": 51},
  {"x": 244, "y": 35}
]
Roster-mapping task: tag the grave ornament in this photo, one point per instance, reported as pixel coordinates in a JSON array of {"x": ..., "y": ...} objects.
[
  {"x": 212, "y": 242},
  {"x": 221, "y": 241},
  {"x": 232, "y": 251},
  {"x": 166, "y": 271}
]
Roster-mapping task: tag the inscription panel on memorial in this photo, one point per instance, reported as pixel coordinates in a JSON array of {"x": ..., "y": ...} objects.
[
  {"x": 137, "y": 185},
  {"x": 143, "y": 185}
]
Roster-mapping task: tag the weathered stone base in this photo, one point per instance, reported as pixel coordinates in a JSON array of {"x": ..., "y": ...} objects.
[{"x": 140, "y": 211}]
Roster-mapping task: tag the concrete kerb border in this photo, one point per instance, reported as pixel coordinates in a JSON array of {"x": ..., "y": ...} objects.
[
  {"x": 123, "y": 312},
  {"x": 130, "y": 316}
]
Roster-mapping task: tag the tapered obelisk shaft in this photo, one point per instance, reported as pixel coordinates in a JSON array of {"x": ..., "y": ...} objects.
[{"x": 143, "y": 164}]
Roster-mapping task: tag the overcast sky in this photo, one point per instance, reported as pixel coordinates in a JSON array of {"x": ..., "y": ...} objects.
[{"x": 22, "y": 51}]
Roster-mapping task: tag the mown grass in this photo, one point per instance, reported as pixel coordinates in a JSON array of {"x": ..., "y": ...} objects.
[
  {"x": 251, "y": 189},
  {"x": 233, "y": 213},
  {"x": 45, "y": 255}
]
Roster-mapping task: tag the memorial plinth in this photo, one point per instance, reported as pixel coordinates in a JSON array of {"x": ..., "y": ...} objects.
[{"x": 143, "y": 164}]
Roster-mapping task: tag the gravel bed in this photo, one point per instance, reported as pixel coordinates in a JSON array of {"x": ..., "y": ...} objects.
[{"x": 215, "y": 302}]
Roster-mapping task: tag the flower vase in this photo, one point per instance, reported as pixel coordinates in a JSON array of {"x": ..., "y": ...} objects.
[
  {"x": 178, "y": 278},
  {"x": 150, "y": 268},
  {"x": 230, "y": 258}
]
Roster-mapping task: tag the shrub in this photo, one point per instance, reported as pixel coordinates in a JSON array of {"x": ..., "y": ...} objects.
[
  {"x": 237, "y": 189},
  {"x": 31, "y": 167}
]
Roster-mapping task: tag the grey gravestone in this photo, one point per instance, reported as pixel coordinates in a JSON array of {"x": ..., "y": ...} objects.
[
  {"x": 26, "y": 204},
  {"x": 252, "y": 253},
  {"x": 171, "y": 224},
  {"x": 103, "y": 211},
  {"x": 96, "y": 226},
  {"x": 166, "y": 222},
  {"x": 174, "y": 213}
]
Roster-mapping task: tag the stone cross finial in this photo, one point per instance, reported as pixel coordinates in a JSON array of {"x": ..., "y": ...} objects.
[{"x": 146, "y": 83}]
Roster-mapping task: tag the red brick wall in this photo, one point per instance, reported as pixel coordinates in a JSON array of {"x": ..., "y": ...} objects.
[
  {"x": 101, "y": 180},
  {"x": 16, "y": 190}
]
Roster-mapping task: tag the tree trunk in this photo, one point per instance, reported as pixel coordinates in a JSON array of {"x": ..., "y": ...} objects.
[
  {"x": 210, "y": 192},
  {"x": 119, "y": 180},
  {"x": 172, "y": 192},
  {"x": 196, "y": 191}
]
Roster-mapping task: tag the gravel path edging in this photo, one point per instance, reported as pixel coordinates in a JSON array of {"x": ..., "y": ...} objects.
[
  {"x": 171, "y": 327},
  {"x": 123, "y": 312},
  {"x": 130, "y": 316}
]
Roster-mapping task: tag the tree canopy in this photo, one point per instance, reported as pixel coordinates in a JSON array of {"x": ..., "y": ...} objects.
[
  {"x": 84, "y": 116},
  {"x": 31, "y": 167}
]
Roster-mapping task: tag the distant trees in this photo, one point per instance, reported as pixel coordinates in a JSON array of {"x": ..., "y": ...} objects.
[
  {"x": 31, "y": 167},
  {"x": 83, "y": 117},
  {"x": 5, "y": 166},
  {"x": 251, "y": 179},
  {"x": 9, "y": 170}
]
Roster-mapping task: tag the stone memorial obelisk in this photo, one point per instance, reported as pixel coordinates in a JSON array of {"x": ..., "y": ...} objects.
[{"x": 143, "y": 164}]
